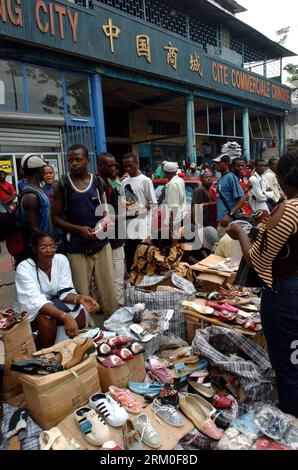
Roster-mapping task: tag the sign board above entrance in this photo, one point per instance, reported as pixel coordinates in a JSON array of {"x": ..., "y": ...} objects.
[{"x": 110, "y": 37}]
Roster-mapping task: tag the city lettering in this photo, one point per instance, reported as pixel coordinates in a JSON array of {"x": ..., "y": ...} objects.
[{"x": 45, "y": 19}]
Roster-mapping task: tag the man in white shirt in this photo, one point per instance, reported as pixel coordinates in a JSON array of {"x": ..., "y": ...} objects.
[
  {"x": 260, "y": 191},
  {"x": 175, "y": 196},
  {"x": 139, "y": 196},
  {"x": 271, "y": 178}
]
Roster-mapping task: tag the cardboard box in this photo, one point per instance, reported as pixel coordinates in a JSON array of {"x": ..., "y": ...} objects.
[
  {"x": 18, "y": 341},
  {"x": 52, "y": 397},
  {"x": 133, "y": 370},
  {"x": 213, "y": 279},
  {"x": 170, "y": 435}
]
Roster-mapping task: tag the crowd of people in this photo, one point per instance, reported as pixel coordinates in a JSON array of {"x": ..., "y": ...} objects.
[{"x": 89, "y": 231}]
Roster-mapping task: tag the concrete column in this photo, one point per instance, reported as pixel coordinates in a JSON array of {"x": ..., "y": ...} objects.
[
  {"x": 97, "y": 102},
  {"x": 190, "y": 129},
  {"x": 246, "y": 137},
  {"x": 282, "y": 137}
]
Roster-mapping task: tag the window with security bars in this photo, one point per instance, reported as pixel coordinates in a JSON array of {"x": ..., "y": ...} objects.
[
  {"x": 204, "y": 33},
  {"x": 160, "y": 14},
  {"x": 164, "y": 128},
  {"x": 133, "y": 7},
  {"x": 252, "y": 55}
]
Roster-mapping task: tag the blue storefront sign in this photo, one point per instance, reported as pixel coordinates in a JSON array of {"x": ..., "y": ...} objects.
[{"x": 111, "y": 37}]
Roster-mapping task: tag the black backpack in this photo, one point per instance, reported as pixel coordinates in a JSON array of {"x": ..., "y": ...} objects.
[{"x": 11, "y": 227}]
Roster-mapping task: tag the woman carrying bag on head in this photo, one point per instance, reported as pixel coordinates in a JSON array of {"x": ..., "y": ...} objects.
[{"x": 274, "y": 256}]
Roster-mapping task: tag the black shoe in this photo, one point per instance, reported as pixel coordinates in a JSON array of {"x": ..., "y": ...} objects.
[
  {"x": 220, "y": 421},
  {"x": 36, "y": 366}
]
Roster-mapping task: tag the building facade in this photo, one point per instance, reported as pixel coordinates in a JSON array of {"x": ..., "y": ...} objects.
[{"x": 151, "y": 76}]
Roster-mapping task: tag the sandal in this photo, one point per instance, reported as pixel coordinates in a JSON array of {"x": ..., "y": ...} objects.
[
  {"x": 249, "y": 325},
  {"x": 224, "y": 316},
  {"x": 111, "y": 361},
  {"x": 36, "y": 366},
  {"x": 140, "y": 333},
  {"x": 54, "y": 440},
  {"x": 124, "y": 354},
  {"x": 126, "y": 399}
]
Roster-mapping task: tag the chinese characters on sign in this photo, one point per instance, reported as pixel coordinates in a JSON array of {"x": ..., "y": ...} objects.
[
  {"x": 195, "y": 64},
  {"x": 172, "y": 55},
  {"x": 143, "y": 47},
  {"x": 112, "y": 32}
]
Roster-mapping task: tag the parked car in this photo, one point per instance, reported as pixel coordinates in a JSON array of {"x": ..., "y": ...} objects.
[{"x": 190, "y": 185}]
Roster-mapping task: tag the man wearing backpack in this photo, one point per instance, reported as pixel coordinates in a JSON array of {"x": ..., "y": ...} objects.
[
  {"x": 78, "y": 201},
  {"x": 34, "y": 209}
]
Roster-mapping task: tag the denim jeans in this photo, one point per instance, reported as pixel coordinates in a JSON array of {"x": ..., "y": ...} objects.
[{"x": 279, "y": 312}]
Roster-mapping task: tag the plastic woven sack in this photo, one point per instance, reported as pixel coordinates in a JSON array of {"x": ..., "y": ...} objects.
[
  {"x": 146, "y": 293},
  {"x": 254, "y": 372}
]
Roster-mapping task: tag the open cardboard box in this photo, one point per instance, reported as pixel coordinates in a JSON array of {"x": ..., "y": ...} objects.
[
  {"x": 131, "y": 371},
  {"x": 170, "y": 435},
  {"x": 18, "y": 342},
  {"x": 211, "y": 278}
]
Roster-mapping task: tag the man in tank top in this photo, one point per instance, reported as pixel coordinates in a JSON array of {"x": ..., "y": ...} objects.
[{"x": 78, "y": 210}]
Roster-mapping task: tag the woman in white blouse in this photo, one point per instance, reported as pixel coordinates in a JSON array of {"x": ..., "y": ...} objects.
[{"x": 45, "y": 290}]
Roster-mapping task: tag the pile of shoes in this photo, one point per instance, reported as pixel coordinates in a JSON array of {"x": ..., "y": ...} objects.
[
  {"x": 43, "y": 363},
  {"x": 233, "y": 149},
  {"x": 263, "y": 427},
  {"x": 117, "y": 350},
  {"x": 241, "y": 313},
  {"x": 10, "y": 317}
]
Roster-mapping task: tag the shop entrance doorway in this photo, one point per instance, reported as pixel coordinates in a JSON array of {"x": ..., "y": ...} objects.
[{"x": 11, "y": 163}]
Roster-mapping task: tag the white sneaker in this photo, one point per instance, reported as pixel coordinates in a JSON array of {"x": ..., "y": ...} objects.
[{"x": 104, "y": 404}]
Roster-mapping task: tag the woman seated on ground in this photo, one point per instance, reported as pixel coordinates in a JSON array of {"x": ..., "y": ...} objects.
[{"x": 45, "y": 290}]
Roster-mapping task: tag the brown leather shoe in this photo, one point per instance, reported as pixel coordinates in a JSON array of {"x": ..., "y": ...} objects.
[{"x": 84, "y": 347}]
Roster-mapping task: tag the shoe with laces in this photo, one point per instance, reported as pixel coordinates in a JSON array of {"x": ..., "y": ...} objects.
[
  {"x": 114, "y": 414},
  {"x": 148, "y": 434},
  {"x": 168, "y": 413}
]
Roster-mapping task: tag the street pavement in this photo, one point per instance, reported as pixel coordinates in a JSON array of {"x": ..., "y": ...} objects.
[{"x": 7, "y": 278}]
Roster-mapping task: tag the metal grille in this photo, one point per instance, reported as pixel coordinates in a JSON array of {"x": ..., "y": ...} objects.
[
  {"x": 133, "y": 7},
  {"x": 205, "y": 34},
  {"x": 236, "y": 45},
  {"x": 80, "y": 135},
  {"x": 252, "y": 55},
  {"x": 160, "y": 14}
]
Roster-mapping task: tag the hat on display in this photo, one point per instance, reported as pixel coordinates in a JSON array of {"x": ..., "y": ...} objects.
[
  {"x": 170, "y": 167},
  {"x": 31, "y": 161},
  {"x": 209, "y": 236},
  {"x": 223, "y": 157}
]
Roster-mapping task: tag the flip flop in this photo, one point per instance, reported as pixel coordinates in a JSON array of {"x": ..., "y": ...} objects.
[
  {"x": 17, "y": 422},
  {"x": 202, "y": 309},
  {"x": 140, "y": 333}
]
